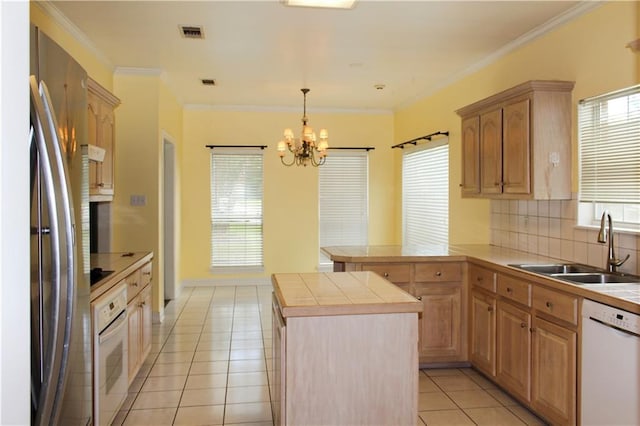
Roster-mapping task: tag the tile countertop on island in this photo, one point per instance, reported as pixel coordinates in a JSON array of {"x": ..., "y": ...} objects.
[
  {"x": 340, "y": 293},
  {"x": 122, "y": 265},
  {"x": 622, "y": 296}
]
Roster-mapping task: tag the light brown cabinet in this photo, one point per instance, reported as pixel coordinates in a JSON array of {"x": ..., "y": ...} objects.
[
  {"x": 139, "y": 312},
  {"x": 528, "y": 346},
  {"x": 517, "y": 143},
  {"x": 101, "y": 127},
  {"x": 440, "y": 287},
  {"x": 513, "y": 349},
  {"x": 554, "y": 369}
]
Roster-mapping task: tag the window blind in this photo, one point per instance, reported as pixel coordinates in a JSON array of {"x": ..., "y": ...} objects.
[
  {"x": 425, "y": 195},
  {"x": 343, "y": 200},
  {"x": 236, "y": 208},
  {"x": 609, "y": 140}
]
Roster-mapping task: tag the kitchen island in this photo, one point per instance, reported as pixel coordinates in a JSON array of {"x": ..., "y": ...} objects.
[{"x": 344, "y": 350}]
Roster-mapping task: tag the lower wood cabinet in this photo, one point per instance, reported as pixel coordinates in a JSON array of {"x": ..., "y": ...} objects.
[
  {"x": 139, "y": 312},
  {"x": 513, "y": 350},
  {"x": 554, "y": 372},
  {"x": 441, "y": 325},
  {"x": 524, "y": 337},
  {"x": 440, "y": 286}
]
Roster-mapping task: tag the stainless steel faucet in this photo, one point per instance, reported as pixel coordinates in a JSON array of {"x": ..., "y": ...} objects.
[{"x": 612, "y": 262}]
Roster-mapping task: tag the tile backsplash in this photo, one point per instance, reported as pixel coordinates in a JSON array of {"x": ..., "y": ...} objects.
[{"x": 548, "y": 228}]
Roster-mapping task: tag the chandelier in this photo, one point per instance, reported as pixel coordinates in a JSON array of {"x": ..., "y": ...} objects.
[{"x": 306, "y": 148}]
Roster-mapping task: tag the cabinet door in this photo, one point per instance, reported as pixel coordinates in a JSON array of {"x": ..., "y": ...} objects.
[
  {"x": 133, "y": 313},
  {"x": 93, "y": 125},
  {"x": 106, "y": 141},
  {"x": 554, "y": 384},
  {"x": 513, "y": 357},
  {"x": 440, "y": 328},
  {"x": 516, "y": 149},
  {"x": 145, "y": 322},
  {"x": 471, "y": 155},
  {"x": 483, "y": 332},
  {"x": 491, "y": 152}
]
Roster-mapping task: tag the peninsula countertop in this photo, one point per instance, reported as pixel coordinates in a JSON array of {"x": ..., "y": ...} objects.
[
  {"x": 122, "y": 265},
  {"x": 340, "y": 293},
  {"x": 623, "y": 296}
]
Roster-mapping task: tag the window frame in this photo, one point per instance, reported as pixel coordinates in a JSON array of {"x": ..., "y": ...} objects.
[
  {"x": 254, "y": 262},
  {"x": 324, "y": 262},
  {"x": 443, "y": 194},
  {"x": 594, "y": 120}
]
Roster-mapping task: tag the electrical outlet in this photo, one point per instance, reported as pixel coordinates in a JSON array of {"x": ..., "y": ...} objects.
[{"x": 138, "y": 200}]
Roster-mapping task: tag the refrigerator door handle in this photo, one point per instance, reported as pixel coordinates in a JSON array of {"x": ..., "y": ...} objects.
[
  {"x": 51, "y": 362},
  {"x": 67, "y": 244},
  {"x": 56, "y": 189}
]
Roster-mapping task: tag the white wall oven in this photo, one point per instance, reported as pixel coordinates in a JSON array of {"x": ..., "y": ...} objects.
[{"x": 110, "y": 348}]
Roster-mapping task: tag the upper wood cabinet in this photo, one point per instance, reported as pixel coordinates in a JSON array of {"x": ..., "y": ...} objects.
[
  {"x": 101, "y": 106},
  {"x": 517, "y": 144}
]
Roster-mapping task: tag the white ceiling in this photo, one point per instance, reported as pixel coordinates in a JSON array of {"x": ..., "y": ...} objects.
[{"x": 261, "y": 53}]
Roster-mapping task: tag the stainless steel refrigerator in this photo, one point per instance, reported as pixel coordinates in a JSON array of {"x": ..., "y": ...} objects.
[{"x": 61, "y": 374}]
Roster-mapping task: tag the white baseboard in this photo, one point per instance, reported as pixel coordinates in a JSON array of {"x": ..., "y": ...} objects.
[{"x": 221, "y": 282}]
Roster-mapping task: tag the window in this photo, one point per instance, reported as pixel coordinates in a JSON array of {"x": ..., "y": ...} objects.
[
  {"x": 343, "y": 200},
  {"x": 609, "y": 147},
  {"x": 236, "y": 209},
  {"x": 425, "y": 195}
]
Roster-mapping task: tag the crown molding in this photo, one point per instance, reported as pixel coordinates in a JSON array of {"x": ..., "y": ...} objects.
[
  {"x": 49, "y": 9},
  {"x": 552, "y": 24}
]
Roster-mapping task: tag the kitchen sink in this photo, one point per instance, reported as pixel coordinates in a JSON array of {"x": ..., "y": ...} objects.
[
  {"x": 558, "y": 268},
  {"x": 596, "y": 278}
]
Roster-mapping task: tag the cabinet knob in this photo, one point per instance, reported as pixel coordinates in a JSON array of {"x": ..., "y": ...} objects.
[
  {"x": 490, "y": 308},
  {"x": 460, "y": 185},
  {"x": 386, "y": 275},
  {"x": 549, "y": 305},
  {"x": 419, "y": 297},
  {"x": 134, "y": 283},
  {"x": 101, "y": 184},
  {"x": 509, "y": 290},
  {"x": 438, "y": 274},
  {"x": 522, "y": 325}
]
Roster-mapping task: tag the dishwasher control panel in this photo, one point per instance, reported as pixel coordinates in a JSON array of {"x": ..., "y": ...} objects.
[{"x": 618, "y": 318}]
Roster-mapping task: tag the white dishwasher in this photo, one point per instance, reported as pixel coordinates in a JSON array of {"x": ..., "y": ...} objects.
[{"x": 610, "y": 366}]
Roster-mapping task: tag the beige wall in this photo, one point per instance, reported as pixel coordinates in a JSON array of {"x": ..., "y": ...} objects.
[
  {"x": 589, "y": 50},
  {"x": 147, "y": 112},
  {"x": 290, "y": 193}
]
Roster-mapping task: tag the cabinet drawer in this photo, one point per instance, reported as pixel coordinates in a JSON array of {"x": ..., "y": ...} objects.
[
  {"x": 396, "y": 273},
  {"x": 560, "y": 305},
  {"x": 438, "y": 272},
  {"x": 145, "y": 273},
  {"x": 482, "y": 277},
  {"x": 134, "y": 285},
  {"x": 514, "y": 289}
]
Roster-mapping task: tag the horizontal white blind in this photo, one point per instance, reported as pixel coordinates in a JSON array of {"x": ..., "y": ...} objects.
[
  {"x": 609, "y": 138},
  {"x": 425, "y": 195},
  {"x": 236, "y": 208},
  {"x": 343, "y": 200}
]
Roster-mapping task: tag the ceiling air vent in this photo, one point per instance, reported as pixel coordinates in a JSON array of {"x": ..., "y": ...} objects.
[
  {"x": 190, "y": 31},
  {"x": 208, "y": 82}
]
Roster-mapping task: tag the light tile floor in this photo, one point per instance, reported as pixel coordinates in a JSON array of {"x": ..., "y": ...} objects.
[{"x": 210, "y": 364}]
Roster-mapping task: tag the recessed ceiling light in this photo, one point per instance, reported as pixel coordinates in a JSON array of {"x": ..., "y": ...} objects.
[{"x": 332, "y": 4}]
